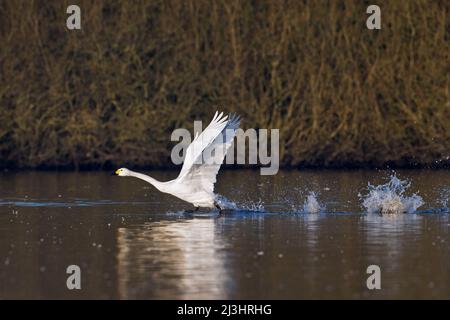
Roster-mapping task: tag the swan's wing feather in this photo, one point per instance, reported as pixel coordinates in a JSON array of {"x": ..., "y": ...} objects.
[
  {"x": 203, "y": 170},
  {"x": 201, "y": 141}
]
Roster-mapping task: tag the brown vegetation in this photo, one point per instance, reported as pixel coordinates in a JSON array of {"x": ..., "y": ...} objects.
[{"x": 113, "y": 92}]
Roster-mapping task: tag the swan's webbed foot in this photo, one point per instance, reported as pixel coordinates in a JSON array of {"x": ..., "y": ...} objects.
[{"x": 218, "y": 207}]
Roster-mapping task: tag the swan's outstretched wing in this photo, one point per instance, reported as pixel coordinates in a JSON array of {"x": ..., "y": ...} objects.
[{"x": 205, "y": 154}]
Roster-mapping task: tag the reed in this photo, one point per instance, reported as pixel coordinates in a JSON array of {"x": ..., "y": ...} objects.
[{"x": 111, "y": 94}]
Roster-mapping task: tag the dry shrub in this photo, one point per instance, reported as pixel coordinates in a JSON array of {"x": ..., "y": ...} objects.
[{"x": 113, "y": 92}]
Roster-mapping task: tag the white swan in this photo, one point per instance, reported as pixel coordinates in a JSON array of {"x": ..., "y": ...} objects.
[{"x": 204, "y": 156}]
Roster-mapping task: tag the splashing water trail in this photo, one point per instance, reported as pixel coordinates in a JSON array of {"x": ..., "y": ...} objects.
[
  {"x": 390, "y": 198},
  {"x": 311, "y": 204},
  {"x": 225, "y": 203},
  {"x": 443, "y": 200},
  {"x": 253, "y": 206}
]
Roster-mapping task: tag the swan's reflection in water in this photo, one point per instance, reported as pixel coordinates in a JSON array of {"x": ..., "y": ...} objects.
[{"x": 177, "y": 259}]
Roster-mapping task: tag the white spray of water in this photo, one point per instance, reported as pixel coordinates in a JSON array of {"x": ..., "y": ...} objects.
[
  {"x": 390, "y": 198},
  {"x": 443, "y": 199},
  {"x": 311, "y": 204},
  {"x": 224, "y": 203},
  {"x": 254, "y": 206}
]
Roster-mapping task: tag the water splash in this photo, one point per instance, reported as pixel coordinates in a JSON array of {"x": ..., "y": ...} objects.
[
  {"x": 311, "y": 204},
  {"x": 224, "y": 203},
  {"x": 390, "y": 198},
  {"x": 253, "y": 206},
  {"x": 443, "y": 199}
]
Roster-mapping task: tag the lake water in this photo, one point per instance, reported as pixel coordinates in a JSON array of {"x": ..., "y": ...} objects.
[{"x": 131, "y": 241}]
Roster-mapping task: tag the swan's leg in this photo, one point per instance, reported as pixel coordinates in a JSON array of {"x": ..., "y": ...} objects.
[{"x": 218, "y": 207}]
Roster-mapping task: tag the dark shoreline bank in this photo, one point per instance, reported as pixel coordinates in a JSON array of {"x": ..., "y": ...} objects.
[{"x": 442, "y": 165}]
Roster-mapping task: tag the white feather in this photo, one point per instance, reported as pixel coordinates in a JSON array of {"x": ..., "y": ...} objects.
[{"x": 204, "y": 156}]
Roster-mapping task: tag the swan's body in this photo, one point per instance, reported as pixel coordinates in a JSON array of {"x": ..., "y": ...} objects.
[{"x": 204, "y": 156}]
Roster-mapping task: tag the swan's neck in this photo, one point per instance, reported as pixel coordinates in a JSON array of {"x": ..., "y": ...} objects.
[{"x": 157, "y": 184}]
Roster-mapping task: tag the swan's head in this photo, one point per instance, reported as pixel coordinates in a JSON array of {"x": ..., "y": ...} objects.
[{"x": 123, "y": 172}]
